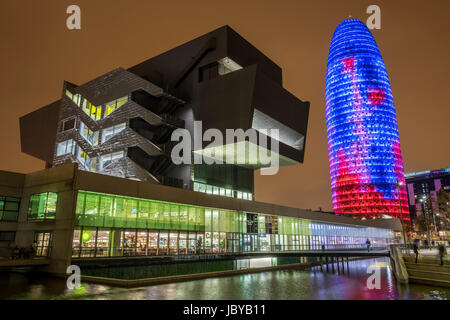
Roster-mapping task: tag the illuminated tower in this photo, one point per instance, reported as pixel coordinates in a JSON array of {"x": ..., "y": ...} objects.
[{"x": 363, "y": 142}]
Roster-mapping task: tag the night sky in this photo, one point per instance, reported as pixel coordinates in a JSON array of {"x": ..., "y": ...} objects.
[{"x": 38, "y": 52}]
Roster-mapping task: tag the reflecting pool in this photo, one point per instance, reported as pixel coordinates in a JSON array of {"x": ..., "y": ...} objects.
[{"x": 282, "y": 284}]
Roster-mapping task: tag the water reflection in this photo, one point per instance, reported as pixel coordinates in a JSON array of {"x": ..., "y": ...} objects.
[{"x": 281, "y": 285}]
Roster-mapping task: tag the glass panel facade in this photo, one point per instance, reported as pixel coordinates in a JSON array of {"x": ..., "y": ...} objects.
[
  {"x": 113, "y": 105},
  {"x": 226, "y": 192},
  {"x": 108, "y": 133},
  {"x": 65, "y": 147},
  {"x": 9, "y": 208},
  {"x": 42, "y": 206},
  {"x": 111, "y": 225},
  {"x": 43, "y": 243},
  {"x": 96, "y": 112},
  {"x": 88, "y": 134}
]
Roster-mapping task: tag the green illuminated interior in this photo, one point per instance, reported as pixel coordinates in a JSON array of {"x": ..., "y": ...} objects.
[
  {"x": 9, "y": 208},
  {"x": 42, "y": 206},
  {"x": 112, "y": 225}
]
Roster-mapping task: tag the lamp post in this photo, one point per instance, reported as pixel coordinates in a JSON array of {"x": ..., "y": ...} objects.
[{"x": 400, "y": 183}]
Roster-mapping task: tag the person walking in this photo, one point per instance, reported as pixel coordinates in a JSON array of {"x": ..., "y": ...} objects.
[
  {"x": 416, "y": 251},
  {"x": 368, "y": 245},
  {"x": 33, "y": 249},
  {"x": 442, "y": 253}
]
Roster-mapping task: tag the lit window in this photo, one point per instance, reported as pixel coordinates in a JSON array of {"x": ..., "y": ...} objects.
[
  {"x": 107, "y": 159},
  {"x": 92, "y": 111},
  {"x": 108, "y": 133},
  {"x": 77, "y": 99},
  {"x": 65, "y": 147},
  {"x": 239, "y": 195},
  {"x": 88, "y": 134},
  {"x": 88, "y": 162},
  {"x": 113, "y": 105},
  {"x": 9, "y": 208},
  {"x": 69, "y": 94},
  {"x": 42, "y": 206},
  {"x": 121, "y": 101}
]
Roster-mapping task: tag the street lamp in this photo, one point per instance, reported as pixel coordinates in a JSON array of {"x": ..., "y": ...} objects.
[{"x": 400, "y": 183}]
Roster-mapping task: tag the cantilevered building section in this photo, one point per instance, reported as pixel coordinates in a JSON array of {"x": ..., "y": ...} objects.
[
  {"x": 366, "y": 166},
  {"x": 121, "y": 123}
]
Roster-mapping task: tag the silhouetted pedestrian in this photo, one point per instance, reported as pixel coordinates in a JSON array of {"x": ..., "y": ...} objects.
[
  {"x": 442, "y": 252},
  {"x": 368, "y": 245},
  {"x": 416, "y": 251}
]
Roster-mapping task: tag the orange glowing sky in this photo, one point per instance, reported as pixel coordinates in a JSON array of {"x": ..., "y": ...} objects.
[{"x": 38, "y": 52}]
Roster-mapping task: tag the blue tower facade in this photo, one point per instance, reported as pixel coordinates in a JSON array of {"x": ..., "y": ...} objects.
[{"x": 366, "y": 167}]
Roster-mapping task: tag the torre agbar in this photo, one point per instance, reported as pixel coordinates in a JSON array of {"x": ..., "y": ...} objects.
[{"x": 366, "y": 167}]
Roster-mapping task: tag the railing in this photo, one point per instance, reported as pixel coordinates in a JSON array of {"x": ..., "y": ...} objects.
[{"x": 91, "y": 252}]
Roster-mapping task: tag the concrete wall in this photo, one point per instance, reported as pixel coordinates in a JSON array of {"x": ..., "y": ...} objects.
[{"x": 60, "y": 180}]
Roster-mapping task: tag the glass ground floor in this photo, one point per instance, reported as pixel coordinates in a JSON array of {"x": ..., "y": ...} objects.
[
  {"x": 111, "y": 225},
  {"x": 110, "y": 242}
]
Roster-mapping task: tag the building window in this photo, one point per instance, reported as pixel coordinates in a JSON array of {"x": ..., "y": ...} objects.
[
  {"x": 65, "y": 147},
  {"x": 88, "y": 162},
  {"x": 76, "y": 98},
  {"x": 108, "y": 133},
  {"x": 94, "y": 112},
  {"x": 107, "y": 159},
  {"x": 9, "y": 208},
  {"x": 113, "y": 105},
  {"x": 7, "y": 236},
  {"x": 42, "y": 206},
  {"x": 69, "y": 94},
  {"x": 43, "y": 243},
  {"x": 68, "y": 124},
  {"x": 201, "y": 187},
  {"x": 88, "y": 134}
]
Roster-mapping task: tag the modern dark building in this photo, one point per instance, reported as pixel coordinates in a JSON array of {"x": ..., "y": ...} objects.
[
  {"x": 121, "y": 123},
  {"x": 422, "y": 190},
  {"x": 111, "y": 189}
]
